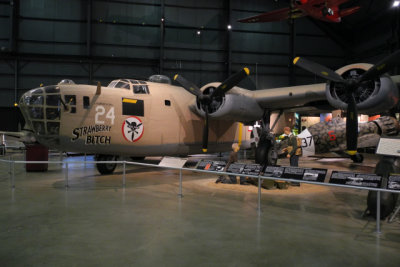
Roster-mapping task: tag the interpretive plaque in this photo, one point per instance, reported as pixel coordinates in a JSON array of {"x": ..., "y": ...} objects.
[
  {"x": 252, "y": 169},
  {"x": 236, "y": 167},
  {"x": 293, "y": 173},
  {"x": 388, "y": 147},
  {"x": 315, "y": 175},
  {"x": 393, "y": 182},
  {"x": 273, "y": 171},
  {"x": 356, "y": 179},
  {"x": 172, "y": 162},
  {"x": 210, "y": 165}
]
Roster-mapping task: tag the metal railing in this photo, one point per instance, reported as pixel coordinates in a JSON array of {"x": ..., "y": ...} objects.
[{"x": 180, "y": 194}]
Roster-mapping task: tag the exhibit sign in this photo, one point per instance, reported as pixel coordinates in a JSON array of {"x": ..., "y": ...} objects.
[
  {"x": 273, "y": 171},
  {"x": 293, "y": 173},
  {"x": 356, "y": 179},
  {"x": 388, "y": 147},
  {"x": 172, "y": 162},
  {"x": 236, "y": 168},
  {"x": 243, "y": 168},
  {"x": 305, "y": 174},
  {"x": 394, "y": 182},
  {"x": 252, "y": 169},
  {"x": 315, "y": 175},
  {"x": 210, "y": 165}
]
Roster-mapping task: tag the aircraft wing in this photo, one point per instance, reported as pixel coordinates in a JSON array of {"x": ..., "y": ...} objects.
[
  {"x": 276, "y": 15},
  {"x": 294, "y": 97}
]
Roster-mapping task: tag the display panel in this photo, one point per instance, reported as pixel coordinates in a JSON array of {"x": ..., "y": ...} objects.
[
  {"x": 210, "y": 165},
  {"x": 356, "y": 179},
  {"x": 394, "y": 182}
]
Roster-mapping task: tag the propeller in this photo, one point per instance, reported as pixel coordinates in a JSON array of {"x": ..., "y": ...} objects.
[
  {"x": 207, "y": 99},
  {"x": 350, "y": 86}
]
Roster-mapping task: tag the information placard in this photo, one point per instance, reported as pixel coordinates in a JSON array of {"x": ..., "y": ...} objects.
[
  {"x": 315, "y": 175},
  {"x": 388, "y": 147},
  {"x": 394, "y": 182},
  {"x": 252, "y": 169},
  {"x": 356, "y": 179},
  {"x": 293, "y": 173},
  {"x": 210, "y": 165},
  {"x": 172, "y": 162},
  {"x": 236, "y": 167},
  {"x": 273, "y": 171}
]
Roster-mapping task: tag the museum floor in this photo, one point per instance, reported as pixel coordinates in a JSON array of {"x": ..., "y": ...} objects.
[{"x": 98, "y": 223}]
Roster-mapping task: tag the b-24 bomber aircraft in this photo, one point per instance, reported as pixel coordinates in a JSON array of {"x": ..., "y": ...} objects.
[{"x": 144, "y": 118}]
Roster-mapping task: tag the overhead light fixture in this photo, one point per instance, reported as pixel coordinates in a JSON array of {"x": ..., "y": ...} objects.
[
  {"x": 198, "y": 32},
  {"x": 229, "y": 27},
  {"x": 396, "y": 3}
]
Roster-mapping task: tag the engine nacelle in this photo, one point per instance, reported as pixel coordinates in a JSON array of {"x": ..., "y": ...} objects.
[
  {"x": 372, "y": 96},
  {"x": 236, "y": 105}
]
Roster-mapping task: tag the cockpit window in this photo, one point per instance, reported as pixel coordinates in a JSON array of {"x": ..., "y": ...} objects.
[
  {"x": 122, "y": 84},
  {"x": 112, "y": 84},
  {"x": 138, "y": 87}
]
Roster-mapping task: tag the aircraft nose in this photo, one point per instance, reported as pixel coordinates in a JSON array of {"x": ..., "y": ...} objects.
[{"x": 41, "y": 110}]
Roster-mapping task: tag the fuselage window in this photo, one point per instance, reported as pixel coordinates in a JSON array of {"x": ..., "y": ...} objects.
[
  {"x": 86, "y": 102},
  {"x": 71, "y": 101},
  {"x": 167, "y": 103},
  {"x": 140, "y": 89}
]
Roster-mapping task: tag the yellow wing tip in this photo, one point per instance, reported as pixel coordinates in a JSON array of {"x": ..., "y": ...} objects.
[
  {"x": 295, "y": 60},
  {"x": 247, "y": 71},
  {"x": 176, "y": 76},
  {"x": 204, "y": 150},
  {"x": 352, "y": 152}
]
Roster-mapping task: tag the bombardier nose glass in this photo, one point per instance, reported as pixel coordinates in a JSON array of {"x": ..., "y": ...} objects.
[{"x": 41, "y": 109}]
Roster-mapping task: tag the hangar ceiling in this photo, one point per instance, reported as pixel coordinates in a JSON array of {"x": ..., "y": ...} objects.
[{"x": 44, "y": 41}]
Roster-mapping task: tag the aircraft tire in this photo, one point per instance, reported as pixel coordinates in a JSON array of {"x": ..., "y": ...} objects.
[
  {"x": 384, "y": 167},
  {"x": 106, "y": 168},
  {"x": 272, "y": 157},
  {"x": 357, "y": 158},
  {"x": 262, "y": 152},
  {"x": 388, "y": 203}
]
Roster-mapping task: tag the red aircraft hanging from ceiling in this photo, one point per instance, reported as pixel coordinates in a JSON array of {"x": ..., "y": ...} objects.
[{"x": 325, "y": 10}]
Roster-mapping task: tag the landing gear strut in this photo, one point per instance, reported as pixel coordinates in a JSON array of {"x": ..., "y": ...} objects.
[
  {"x": 266, "y": 151},
  {"x": 106, "y": 168},
  {"x": 384, "y": 167}
]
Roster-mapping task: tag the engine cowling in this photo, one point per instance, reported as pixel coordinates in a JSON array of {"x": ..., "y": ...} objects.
[
  {"x": 237, "y": 105},
  {"x": 372, "y": 96}
]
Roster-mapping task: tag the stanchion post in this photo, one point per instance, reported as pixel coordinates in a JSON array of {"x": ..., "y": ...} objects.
[
  {"x": 378, "y": 212},
  {"x": 13, "y": 175},
  {"x": 9, "y": 165},
  {"x": 124, "y": 174},
  {"x": 66, "y": 176},
  {"x": 259, "y": 195},
  {"x": 180, "y": 183}
]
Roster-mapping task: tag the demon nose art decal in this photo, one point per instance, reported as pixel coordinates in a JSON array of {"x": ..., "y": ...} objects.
[{"x": 132, "y": 129}]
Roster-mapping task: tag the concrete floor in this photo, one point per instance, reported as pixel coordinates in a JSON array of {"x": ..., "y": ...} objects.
[{"x": 98, "y": 223}]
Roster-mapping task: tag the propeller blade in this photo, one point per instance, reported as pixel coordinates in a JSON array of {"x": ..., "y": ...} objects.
[
  {"x": 205, "y": 133},
  {"x": 351, "y": 126},
  {"x": 318, "y": 69},
  {"x": 190, "y": 87},
  {"x": 231, "y": 82},
  {"x": 382, "y": 66}
]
